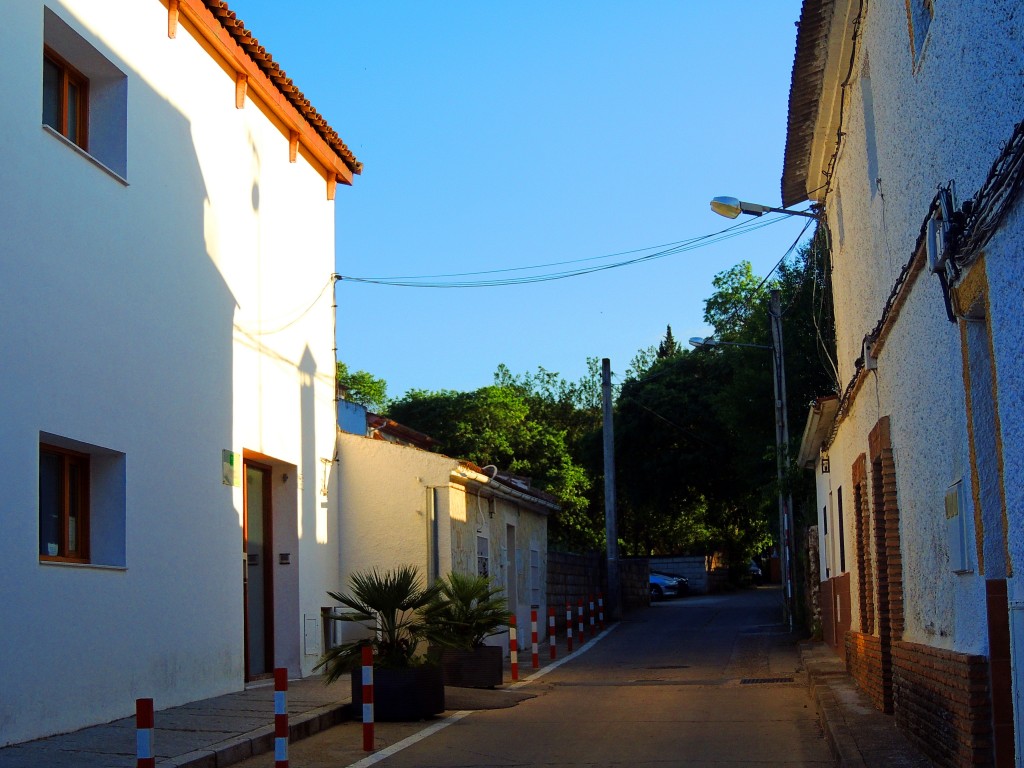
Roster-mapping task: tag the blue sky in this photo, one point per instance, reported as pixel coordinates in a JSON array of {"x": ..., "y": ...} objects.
[{"x": 504, "y": 135}]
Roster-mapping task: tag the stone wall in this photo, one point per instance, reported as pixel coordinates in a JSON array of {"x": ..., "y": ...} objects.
[
  {"x": 812, "y": 581},
  {"x": 634, "y": 583},
  {"x": 574, "y": 576}
]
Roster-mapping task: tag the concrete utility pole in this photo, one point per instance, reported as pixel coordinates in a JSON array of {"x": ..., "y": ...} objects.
[
  {"x": 610, "y": 528},
  {"x": 782, "y": 457}
]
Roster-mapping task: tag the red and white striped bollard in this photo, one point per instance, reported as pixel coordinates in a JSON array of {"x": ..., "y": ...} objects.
[
  {"x": 579, "y": 624},
  {"x": 568, "y": 627},
  {"x": 513, "y": 647},
  {"x": 600, "y": 610},
  {"x": 280, "y": 718},
  {"x": 534, "y": 655},
  {"x": 592, "y": 629},
  {"x": 551, "y": 631},
  {"x": 367, "y": 660},
  {"x": 144, "y": 727}
]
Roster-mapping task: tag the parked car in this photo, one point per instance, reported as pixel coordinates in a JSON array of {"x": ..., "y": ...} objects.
[
  {"x": 667, "y": 585},
  {"x": 755, "y": 573}
]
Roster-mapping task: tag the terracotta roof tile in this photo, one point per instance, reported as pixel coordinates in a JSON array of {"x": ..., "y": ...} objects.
[
  {"x": 263, "y": 60},
  {"x": 804, "y": 95}
]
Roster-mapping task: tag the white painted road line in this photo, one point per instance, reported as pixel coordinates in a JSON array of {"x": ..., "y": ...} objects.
[
  {"x": 430, "y": 730},
  {"x": 387, "y": 752},
  {"x": 550, "y": 667}
]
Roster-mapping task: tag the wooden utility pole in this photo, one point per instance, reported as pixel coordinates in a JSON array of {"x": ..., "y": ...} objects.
[
  {"x": 782, "y": 457},
  {"x": 611, "y": 533}
]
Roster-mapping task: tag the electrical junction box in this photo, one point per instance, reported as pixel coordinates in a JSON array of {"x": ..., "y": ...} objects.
[
  {"x": 958, "y": 529},
  {"x": 937, "y": 232}
]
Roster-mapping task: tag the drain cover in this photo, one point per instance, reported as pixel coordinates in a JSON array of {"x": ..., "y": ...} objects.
[{"x": 759, "y": 680}]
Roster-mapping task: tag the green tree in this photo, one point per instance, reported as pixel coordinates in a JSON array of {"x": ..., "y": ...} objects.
[
  {"x": 668, "y": 347},
  {"x": 738, "y": 293},
  {"x": 533, "y": 425},
  {"x": 363, "y": 388},
  {"x": 682, "y": 486},
  {"x": 695, "y": 437},
  {"x": 642, "y": 361},
  {"x": 575, "y": 408}
]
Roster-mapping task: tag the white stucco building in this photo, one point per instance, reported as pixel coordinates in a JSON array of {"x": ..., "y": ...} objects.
[
  {"x": 167, "y": 378},
  {"x": 904, "y": 126},
  {"x": 401, "y": 505}
]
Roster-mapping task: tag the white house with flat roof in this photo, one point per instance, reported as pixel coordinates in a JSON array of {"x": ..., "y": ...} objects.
[
  {"x": 167, "y": 384},
  {"x": 400, "y": 504}
]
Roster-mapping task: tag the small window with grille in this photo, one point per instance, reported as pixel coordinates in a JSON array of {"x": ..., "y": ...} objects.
[{"x": 483, "y": 566}]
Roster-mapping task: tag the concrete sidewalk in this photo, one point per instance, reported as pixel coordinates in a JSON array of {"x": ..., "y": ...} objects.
[
  {"x": 858, "y": 734},
  {"x": 204, "y": 734},
  {"x": 217, "y": 732}
]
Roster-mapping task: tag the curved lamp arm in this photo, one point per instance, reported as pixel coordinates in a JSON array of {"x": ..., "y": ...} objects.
[{"x": 731, "y": 207}]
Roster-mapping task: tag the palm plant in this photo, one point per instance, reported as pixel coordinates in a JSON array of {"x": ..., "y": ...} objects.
[
  {"x": 391, "y": 605},
  {"x": 466, "y": 611}
]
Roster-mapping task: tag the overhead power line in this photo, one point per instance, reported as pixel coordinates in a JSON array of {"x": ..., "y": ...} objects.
[{"x": 540, "y": 273}]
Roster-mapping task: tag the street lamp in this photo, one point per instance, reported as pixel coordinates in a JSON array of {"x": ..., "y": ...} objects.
[
  {"x": 711, "y": 341},
  {"x": 731, "y": 207},
  {"x": 781, "y": 443}
]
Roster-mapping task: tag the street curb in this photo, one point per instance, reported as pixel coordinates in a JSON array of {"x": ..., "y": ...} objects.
[
  {"x": 261, "y": 740},
  {"x": 822, "y": 674},
  {"x": 841, "y": 742},
  {"x": 857, "y": 733}
]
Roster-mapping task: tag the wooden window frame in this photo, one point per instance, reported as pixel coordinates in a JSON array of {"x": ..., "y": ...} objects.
[
  {"x": 68, "y": 74},
  {"x": 69, "y": 458}
]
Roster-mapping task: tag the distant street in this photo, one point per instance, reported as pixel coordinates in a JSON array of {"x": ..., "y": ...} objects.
[{"x": 699, "y": 681}]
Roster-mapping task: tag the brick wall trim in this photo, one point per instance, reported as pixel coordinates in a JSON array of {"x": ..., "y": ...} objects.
[
  {"x": 942, "y": 702},
  {"x": 879, "y": 438}
]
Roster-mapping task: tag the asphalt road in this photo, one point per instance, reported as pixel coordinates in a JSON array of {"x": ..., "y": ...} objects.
[{"x": 699, "y": 681}]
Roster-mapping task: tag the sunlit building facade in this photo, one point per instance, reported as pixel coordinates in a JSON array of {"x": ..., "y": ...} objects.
[{"x": 168, "y": 366}]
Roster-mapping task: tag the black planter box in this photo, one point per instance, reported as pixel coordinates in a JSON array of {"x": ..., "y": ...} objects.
[
  {"x": 480, "y": 667},
  {"x": 401, "y": 695}
]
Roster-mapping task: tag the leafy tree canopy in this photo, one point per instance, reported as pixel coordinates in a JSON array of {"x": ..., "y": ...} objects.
[
  {"x": 668, "y": 347},
  {"x": 363, "y": 388},
  {"x": 738, "y": 292},
  {"x": 535, "y": 425},
  {"x": 695, "y": 436}
]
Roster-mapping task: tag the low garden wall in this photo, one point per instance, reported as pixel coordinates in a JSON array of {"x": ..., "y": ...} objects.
[{"x": 572, "y": 576}]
